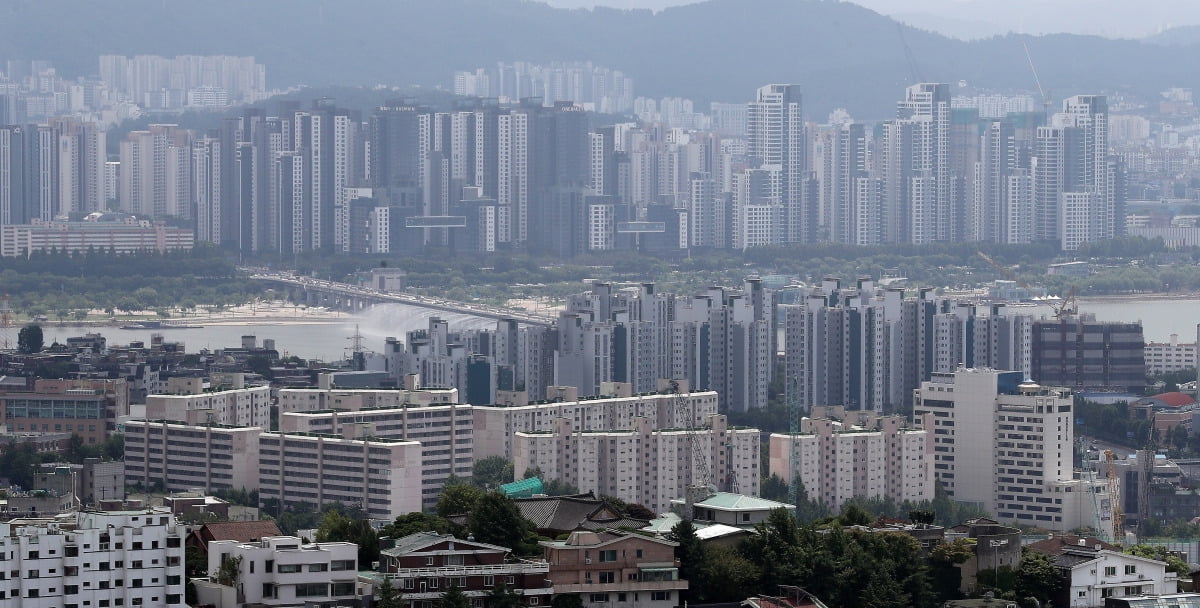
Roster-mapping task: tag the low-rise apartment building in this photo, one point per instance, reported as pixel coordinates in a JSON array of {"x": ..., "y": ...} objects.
[
  {"x": 1170, "y": 356},
  {"x": 314, "y": 399},
  {"x": 497, "y": 425},
  {"x": 444, "y": 431},
  {"x": 839, "y": 455},
  {"x": 180, "y": 455},
  {"x": 645, "y": 464},
  {"x": 605, "y": 568},
  {"x": 131, "y": 556},
  {"x": 381, "y": 476},
  {"x": 280, "y": 571},
  {"x": 249, "y": 406}
]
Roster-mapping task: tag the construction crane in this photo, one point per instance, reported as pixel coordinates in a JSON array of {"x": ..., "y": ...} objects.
[
  {"x": 1065, "y": 309},
  {"x": 1114, "y": 490},
  {"x": 794, "y": 419},
  {"x": 1045, "y": 96},
  {"x": 699, "y": 457},
  {"x": 1097, "y": 515}
]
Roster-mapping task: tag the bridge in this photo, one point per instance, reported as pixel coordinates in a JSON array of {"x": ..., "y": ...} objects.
[{"x": 353, "y": 298}]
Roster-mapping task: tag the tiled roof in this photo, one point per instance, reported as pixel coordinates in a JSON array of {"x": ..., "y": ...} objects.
[
  {"x": 241, "y": 531},
  {"x": 728, "y": 500},
  {"x": 421, "y": 540}
]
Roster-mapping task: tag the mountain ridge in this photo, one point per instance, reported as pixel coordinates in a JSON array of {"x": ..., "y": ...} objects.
[{"x": 719, "y": 50}]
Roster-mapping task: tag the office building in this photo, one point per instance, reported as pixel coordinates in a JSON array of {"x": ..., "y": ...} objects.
[
  {"x": 1005, "y": 444},
  {"x": 88, "y": 408},
  {"x": 1085, "y": 354}
]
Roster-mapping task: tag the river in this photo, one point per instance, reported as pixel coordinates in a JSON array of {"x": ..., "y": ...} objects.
[{"x": 329, "y": 340}]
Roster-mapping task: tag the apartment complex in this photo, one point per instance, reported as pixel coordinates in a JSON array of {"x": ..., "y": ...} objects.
[
  {"x": 644, "y": 464},
  {"x": 131, "y": 556},
  {"x": 495, "y": 426},
  {"x": 839, "y": 455},
  {"x": 100, "y": 232},
  {"x": 1005, "y": 444}
]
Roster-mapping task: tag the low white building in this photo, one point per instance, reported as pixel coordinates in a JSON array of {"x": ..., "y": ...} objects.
[
  {"x": 280, "y": 571},
  {"x": 131, "y": 557},
  {"x": 1170, "y": 356},
  {"x": 1099, "y": 573}
]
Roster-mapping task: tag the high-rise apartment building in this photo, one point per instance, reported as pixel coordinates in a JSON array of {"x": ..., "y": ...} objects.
[{"x": 839, "y": 455}]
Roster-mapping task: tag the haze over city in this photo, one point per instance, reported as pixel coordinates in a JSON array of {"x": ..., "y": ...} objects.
[{"x": 506, "y": 304}]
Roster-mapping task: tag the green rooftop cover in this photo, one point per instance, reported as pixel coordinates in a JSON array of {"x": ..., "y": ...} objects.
[{"x": 523, "y": 488}]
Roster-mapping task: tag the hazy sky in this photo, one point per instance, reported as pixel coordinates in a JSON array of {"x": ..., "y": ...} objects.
[{"x": 973, "y": 18}]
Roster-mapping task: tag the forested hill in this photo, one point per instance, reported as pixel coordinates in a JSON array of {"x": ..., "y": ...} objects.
[{"x": 721, "y": 50}]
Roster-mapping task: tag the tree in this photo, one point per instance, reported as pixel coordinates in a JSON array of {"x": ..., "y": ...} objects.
[
  {"x": 336, "y": 527},
  {"x": 29, "y": 339},
  {"x": 389, "y": 596},
  {"x": 1160, "y": 553},
  {"x": 690, "y": 552},
  {"x": 726, "y": 576},
  {"x": 774, "y": 488},
  {"x": 497, "y": 520},
  {"x": 417, "y": 521},
  {"x": 454, "y": 598},
  {"x": 502, "y": 597},
  {"x": 458, "y": 498},
  {"x": 229, "y": 571},
  {"x": 491, "y": 472},
  {"x": 1037, "y": 576}
]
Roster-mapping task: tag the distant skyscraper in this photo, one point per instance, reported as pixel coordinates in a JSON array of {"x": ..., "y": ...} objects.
[{"x": 776, "y": 140}]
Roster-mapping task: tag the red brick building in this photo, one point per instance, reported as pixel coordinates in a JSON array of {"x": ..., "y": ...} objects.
[
  {"x": 605, "y": 568},
  {"x": 424, "y": 565}
]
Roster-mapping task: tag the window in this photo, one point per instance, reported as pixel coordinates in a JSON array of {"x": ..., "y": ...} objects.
[
  {"x": 621, "y": 597},
  {"x": 745, "y": 517},
  {"x": 598, "y": 598},
  {"x": 608, "y": 556},
  {"x": 510, "y": 580},
  {"x": 453, "y": 560},
  {"x": 70, "y": 589},
  {"x": 639, "y": 554},
  {"x": 489, "y": 581},
  {"x": 312, "y": 589},
  {"x": 607, "y": 577},
  {"x": 33, "y": 574},
  {"x": 1131, "y": 569},
  {"x": 317, "y": 567},
  {"x": 346, "y": 588},
  {"x": 533, "y": 601},
  {"x": 660, "y": 596},
  {"x": 289, "y": 568},
  {"x": 269, "y": 566},
  {"x": 429, "y": 561},
  {"x": 341, "y": 564},
  {"x": 407, "y": 583},
  {"x": 1110, "y": 571}
]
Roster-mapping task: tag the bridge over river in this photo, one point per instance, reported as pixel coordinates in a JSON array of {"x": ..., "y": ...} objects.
[{"x": 344, "y": 296}]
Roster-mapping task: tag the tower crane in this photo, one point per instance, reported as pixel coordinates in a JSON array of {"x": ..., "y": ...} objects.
[
  {"x": 1042, "y": 92},
  {"x": 1114, "y": 490}
]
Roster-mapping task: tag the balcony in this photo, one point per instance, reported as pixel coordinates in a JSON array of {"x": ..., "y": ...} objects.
[
  {"x": 620, "y": 586},
  {"x": 490, "y": 569}
]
